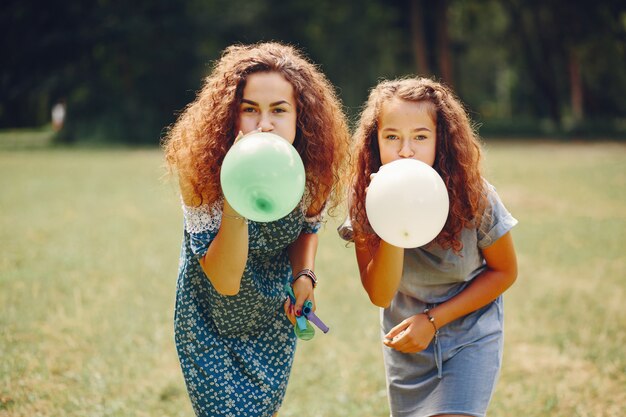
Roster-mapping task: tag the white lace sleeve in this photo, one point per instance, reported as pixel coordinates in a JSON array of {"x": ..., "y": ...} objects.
[
  {"x": 313, "y": 223},
  {"x": 204, "y": 218},
  {"x": 304, "y": 205}
]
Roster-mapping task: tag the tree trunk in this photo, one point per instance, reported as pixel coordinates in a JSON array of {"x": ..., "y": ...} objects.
[
  {"x": 539, "y": 58},
  {"x": 419, "y": 40},
  {"x": 576, "y": 87},
  {"x": 443, "y": 42}
]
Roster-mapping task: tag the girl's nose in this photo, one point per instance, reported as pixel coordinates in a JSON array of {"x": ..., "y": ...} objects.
[
  {"x": 406, "y": 151},
  {"x": 265, "y": 124}
]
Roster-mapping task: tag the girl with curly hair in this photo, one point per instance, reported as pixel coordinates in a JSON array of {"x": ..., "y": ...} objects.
[
  {"x": 442, "y": 322},
  {"x": 233, "y": 326}
]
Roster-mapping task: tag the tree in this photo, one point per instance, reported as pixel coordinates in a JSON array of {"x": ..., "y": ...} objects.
[
  {"x": 558, "y": 39},
  {"x": 126, "y": 68},
  {"x": 430, "y": 39}
]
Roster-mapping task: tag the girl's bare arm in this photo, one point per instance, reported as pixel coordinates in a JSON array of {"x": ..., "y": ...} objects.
[
  {"x": 415, "y": 333},
  {"x": 381, "y": 271},
  {"x": 500, "y": 274},
  {"x": 225, "y": 260}
]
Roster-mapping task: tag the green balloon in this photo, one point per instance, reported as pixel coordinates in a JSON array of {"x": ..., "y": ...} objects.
[
  {"x": 306, "y": 334},
  {"x": 263, "y": 177}
]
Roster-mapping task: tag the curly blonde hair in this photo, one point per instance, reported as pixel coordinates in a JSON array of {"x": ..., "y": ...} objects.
[
  {"x": 457, "y": 159},
  {"x": 196, "y": 144}
]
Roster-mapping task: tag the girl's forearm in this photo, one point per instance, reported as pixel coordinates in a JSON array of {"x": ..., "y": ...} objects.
[
  {"x": 302, "y": 256},
  {"x": 500, "y": 274},
  {"x": 225, "y": 260},
  {"x": 481, "y": 291},
  {"x": 302, "y": 252},
  {"x": 382, "y": 275}
]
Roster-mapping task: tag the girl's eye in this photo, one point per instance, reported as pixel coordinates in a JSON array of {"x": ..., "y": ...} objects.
[
  {"x": 391, "y": 137},
  {"x": 421, "y": 137},
  {"x": 248, "y": 110},
  {"x": 279, "y": 110}
]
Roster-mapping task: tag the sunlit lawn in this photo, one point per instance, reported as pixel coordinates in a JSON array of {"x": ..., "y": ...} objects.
[{"x": 89, "y": 254}]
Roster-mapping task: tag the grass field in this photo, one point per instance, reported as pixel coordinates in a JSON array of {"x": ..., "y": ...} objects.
[{"x": 90, "y": 242}]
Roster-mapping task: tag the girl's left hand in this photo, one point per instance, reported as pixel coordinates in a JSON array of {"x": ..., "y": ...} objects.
[
  {"x": 303, "y": 290},
  {"x": 410, "y": 336},
  {"x": 371, "y": 178}
]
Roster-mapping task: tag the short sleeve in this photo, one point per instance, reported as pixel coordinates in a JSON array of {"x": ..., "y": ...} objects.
[
  {"x": 496, "y": 222},
  {"x": 202, "y": 224},
  {"x": 314, "y": 223}
]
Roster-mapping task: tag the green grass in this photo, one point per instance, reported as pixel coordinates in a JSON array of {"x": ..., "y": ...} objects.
[
  {"x": 33, "y": 138},
  {"x": 90, "y": 242}
]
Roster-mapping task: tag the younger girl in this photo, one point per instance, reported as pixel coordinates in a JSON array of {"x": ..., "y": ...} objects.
[
  {"x": 442, "y": 321},
  {"x": 233, "y": 332}
]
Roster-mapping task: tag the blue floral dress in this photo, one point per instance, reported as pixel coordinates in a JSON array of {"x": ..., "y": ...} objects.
[{"x": 236, "y": 351}]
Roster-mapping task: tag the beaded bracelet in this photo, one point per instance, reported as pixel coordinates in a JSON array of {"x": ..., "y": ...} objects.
[
  {"x": 431, "y": 319},
  {"x": 306, "y": 273}
]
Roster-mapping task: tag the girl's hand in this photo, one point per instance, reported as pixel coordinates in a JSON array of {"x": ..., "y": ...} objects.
[
  {"x": 367, "y": 188},
  {"x": 371, "y": 178},
  {"x": 303, "y": 290},
  {"x": 241, "y": 134},
  {"x": 411, "y": 335}
]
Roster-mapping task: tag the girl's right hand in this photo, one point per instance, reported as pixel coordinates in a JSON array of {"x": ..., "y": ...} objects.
[
  {"x": 410, "y": 336},
  {"x": 303, "y": 290},
  {"x": 241, "y": 134},
  {"x": 371, "y": 178},
  {"x": 290, "y": 311}
]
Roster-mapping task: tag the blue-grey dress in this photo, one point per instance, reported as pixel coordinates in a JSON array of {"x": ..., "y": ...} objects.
[
  {"x": 457, "y": 373},
  {"x": 236, "y": 351}
]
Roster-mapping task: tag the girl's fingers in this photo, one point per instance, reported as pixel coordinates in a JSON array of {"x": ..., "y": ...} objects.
[
  {"x": 395, "y": 342},
  {"x": 371, "y": 178},
  {"x": 241, "y": 134},
  {"x": 303, "y": 290},
  {"x": 402, "y": 343},
  {"x": 395, "y": 332},
  {"x": 300, "y": 300},
  {"x": 289, "y": 311}
]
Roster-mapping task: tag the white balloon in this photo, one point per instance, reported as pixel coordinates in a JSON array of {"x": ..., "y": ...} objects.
[{"x": 407, "y": 203}]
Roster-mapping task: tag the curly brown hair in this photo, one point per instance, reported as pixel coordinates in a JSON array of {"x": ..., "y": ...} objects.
[
  {"x": 457, "y": 159},
  {"x": 196, "y": 144}
]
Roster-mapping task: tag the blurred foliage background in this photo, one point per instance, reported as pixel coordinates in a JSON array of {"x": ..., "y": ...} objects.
[{"x": 124, "y": 69}]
